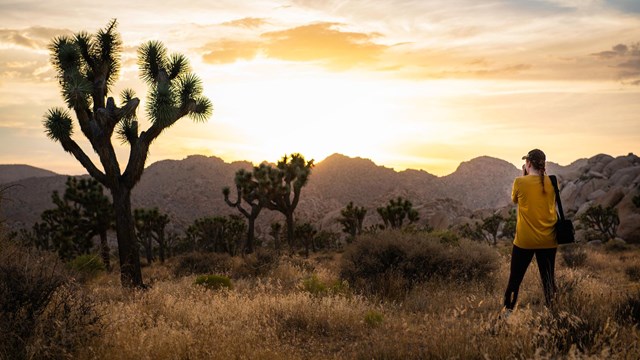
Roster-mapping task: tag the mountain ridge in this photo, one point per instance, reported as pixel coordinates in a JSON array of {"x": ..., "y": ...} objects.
[{"x": 192, "y": 187}]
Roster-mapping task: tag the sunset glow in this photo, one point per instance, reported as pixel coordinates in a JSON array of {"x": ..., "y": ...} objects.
[{"x": 423, "y": 85}]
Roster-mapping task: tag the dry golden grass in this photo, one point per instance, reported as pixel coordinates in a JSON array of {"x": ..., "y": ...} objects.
[{"x": 277, "y": 317}]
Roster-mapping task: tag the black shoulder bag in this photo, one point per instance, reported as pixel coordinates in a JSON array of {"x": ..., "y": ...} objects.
[{"x": 564, "y": 227}]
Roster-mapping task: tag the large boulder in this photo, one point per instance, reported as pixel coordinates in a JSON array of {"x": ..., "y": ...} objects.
[
  {"x": 626, "y": 177},
  {"x": 612, "y": 197},
  {"x": 598, "y": 163},
  {"x": 629, "y": 228},
  {"x": 618, "y": 163}
]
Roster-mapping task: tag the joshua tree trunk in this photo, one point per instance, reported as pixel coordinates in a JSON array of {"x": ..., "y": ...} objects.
[
  {"x": 104, "y": 251},
  {"x": 290, "y": 232},
  {"x": 250, "y": 236},
  {"x": 130, "y": 273},
  {"x": 161, "y": 246}
]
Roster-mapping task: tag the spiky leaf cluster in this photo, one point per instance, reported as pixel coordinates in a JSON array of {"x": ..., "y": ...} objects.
[
  {"x": 58, "y": 124},
  {"x": 174, "y": 90},
  {"x": 85, "y": 63}
]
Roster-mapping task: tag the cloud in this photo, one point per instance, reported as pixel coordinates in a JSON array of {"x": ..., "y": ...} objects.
[
  {"x": 35, "y": 37},
  {"x": 230, "y": 51},
  {"x": 625, "y": 58},
  {"x": 24, "y": 65},
  {"x": 323, "y": 43},
  {"x": 618, "y": 50},
  {"x": 248, "y": 22}
]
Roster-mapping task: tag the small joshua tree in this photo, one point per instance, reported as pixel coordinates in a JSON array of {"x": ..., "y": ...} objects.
[
  {"x": 283, "y": 186},
  {"x": 249, "y": 191},
  {"x": 217, "y": 234},
  {"x": 351, "y": 219},
  {"x": 393, "y": 215},
  {"x": 82, "y": 213},
  {"x": 275, "y": 231},
  {"x": 150, "y": 226},
  {"x": 490, "y": 227},
  {"x": 605, "y": 220},
  {"x": 306, "y": 233},
  {"x": 87, "y": 67}
]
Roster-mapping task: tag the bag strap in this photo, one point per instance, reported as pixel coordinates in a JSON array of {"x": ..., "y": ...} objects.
[{"x": 554, "y": 182}]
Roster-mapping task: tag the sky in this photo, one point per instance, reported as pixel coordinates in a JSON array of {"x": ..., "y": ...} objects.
[{"x": 415, "y": 84}]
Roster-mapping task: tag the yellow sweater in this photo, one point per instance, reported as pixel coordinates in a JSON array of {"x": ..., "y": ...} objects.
[{"x": 536, "y": 213}]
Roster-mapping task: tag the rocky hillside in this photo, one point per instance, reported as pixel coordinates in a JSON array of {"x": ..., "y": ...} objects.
[
  {"x": 11, "y": 173},
  {"x": 607, "y": 181},
  {"x": 191, "y": 188}
]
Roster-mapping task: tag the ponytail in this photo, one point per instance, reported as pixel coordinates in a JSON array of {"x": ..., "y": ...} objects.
[{"x": 540, "y": 166}]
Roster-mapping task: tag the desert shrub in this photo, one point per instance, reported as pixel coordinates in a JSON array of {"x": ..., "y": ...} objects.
[
  {"x": 629, "y": 309},
  {"x": 616, "y": 246},
  {"x": 633, "y": 272},
  {"x": 202, "y": 263},
  {"x": 69, "y": 323},
  {"x": 86, "y": 267},
  {"x": 392, "y": 262},
  {"x": 259, "y": 263},
  {"x": 42, "y": 315},
  {"x": 373, "y": 318},
  {"x": 447, "y": 237},
  {"x": 214, "y": 282},
  {"x": 559, "y": 331},
  {"x": 313, "y": 285},
  {"x": 573, "y": 255}
]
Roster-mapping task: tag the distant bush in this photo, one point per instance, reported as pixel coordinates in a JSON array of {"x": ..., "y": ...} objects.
[
  {"x": 202, "y": 263},
  {"x": 447, "y": 237},
  {"x": 390, "y": 263},
  {"x": 616, "y": 246},
  {"x": 259, "y": 263},
  {"x": 86, "y": 267},
  {"x": 214, "y": 282},
  {"x": 573, "y": 255},
  {"x": 629, "y": 310},
  {"x": 373, "y": 318},
  {"x": 317, "y": 287},
  {"x": 42, "y": 314},
  {"x": 633, "y": 272}
]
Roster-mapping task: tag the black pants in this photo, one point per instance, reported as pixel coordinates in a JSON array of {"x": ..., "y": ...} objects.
[{"x": 520, "y": 260}]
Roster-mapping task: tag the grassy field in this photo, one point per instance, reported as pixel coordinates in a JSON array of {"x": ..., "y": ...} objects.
[{"x": 304, "y": 309}]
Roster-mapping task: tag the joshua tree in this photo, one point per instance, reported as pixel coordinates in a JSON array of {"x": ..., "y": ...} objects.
[
  {"x": 80, "y": 214},
  {"x": 254, "y": 195},
  {"x": 150, "y": 225},
  {"x": 217, "y": 234},
  {"x": 60, "y": 230},
  {"x": 283, "y": 185},
  {"x": 509, "y": 228},
  {"x": 490, "y": 227},
  {"x": 603, "y": 219},
  {"x": 96, "y": 210},
  {"x": 276, "y": 229},
  {"x": 351, "y": 218},
  {"x": 306, "y": 233},
  {"x": 87, "y": 67},
  {"x": 396, "y": 211}
]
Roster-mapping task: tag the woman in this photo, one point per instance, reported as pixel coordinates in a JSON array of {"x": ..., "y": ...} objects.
[{"x": 534, "y": 194}]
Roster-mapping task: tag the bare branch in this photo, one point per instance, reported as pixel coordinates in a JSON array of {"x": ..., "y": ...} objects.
[{"x": 71, "y": 146}]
